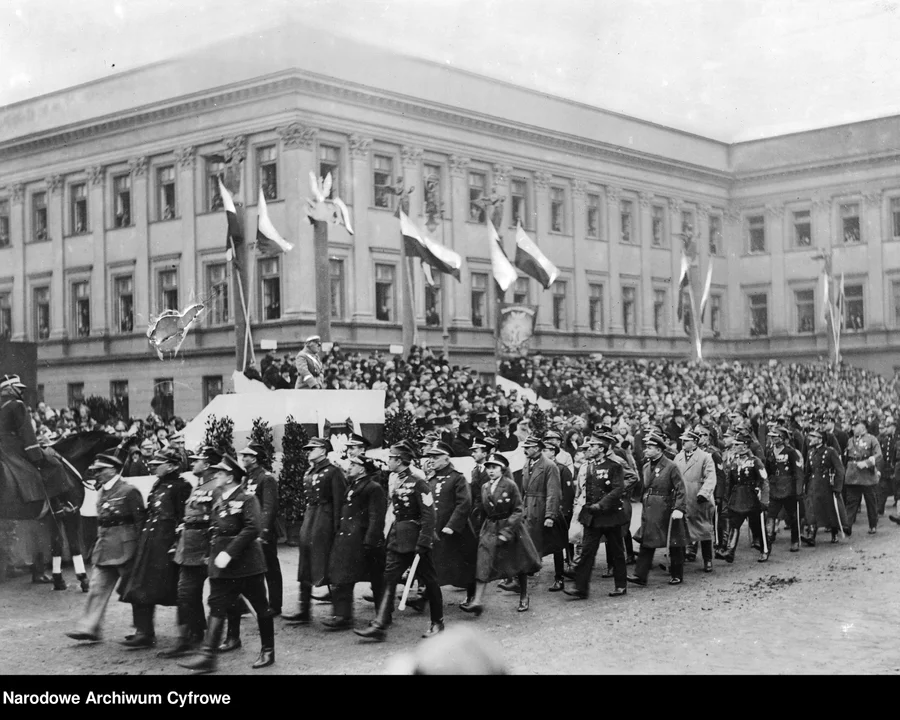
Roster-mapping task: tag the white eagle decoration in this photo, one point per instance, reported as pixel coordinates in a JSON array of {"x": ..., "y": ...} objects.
[
  {"x": 167, "y": 332},
  {"x": 321, "y": 207}
]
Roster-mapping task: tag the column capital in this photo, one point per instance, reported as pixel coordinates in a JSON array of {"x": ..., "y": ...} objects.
[
  {"x": 97, "y": 174},
  {"x": 54, "y": 183},
  {"x": 359, "y": 146},
  {"x": 703, "y": 211},
  {"x": 872, "y": 199},
  {"x": 542, "y": 179},
  {"x": 674, "y": 205},
  {"x": 733, "y": 213},
  {"x": 235, "y": 149},
  {"x": 17, "y": 191},
  {"x": 579, "y": 187},
  {"x": 411, "y": 156},
  {"x": 613, "y": 195},
  {"x": 501, "y": 173},
  {"x": 645, "y": 199},
  {"x": 459, "y": 165},
  {"x": 137, "y": 165},
  {"x": 297, "y": 135},
  {"x": 185, "y": 156},
  {"x": 775, "y": 211}
]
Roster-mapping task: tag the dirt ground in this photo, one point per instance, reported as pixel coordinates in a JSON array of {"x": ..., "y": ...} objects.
[{"x": 826, "y": 610}]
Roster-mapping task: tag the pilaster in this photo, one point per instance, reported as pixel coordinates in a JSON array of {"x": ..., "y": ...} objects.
[
  {"x": 58, "y": 300},
  {"x": 614, "y": 233},
  {"x": 645, "y": 230},
  {"x": 363, "y": 305},
  {"x": 99, "y": 282},
  {"x": 459, "y": 306},
  {"x": 20, "y": 300}
]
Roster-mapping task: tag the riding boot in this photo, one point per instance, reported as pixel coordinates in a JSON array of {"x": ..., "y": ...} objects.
[
  {"x": 770, "y": 533},
  {"x": 724, "y": 532},
  {"x": 303, "y": 617},
  {"x": 233, "y": 636},
  {"x": 182, "y": 644},
  {"x": 205, "y": 660},
  {"x": 267, "y": 641},
  {"x": 691, "y": 552},
  {"x": 734, "y": 534},
  {"x": 376, "y": 628}
]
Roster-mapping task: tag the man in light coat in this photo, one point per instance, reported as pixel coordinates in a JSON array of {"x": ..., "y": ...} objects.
[
  {"x": 863, "y": 458},
  {"x": 309, "y": 367},
  {"x": 698, "y": 471}
]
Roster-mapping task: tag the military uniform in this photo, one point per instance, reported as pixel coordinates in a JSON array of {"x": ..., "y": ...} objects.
[
  {"x": 263, "y": 485},
  {"x": 663, "y": 494},
  {"x": 542, "y": 493},
  {"x": 785, "y": 470},
  {"x": 861, "y": 482},
  {"x": 478, "y": 479},
  {"x": 454, "y": 555},
  {"x": 824, "y": 483},
  {"x": 746, "y": 494}
]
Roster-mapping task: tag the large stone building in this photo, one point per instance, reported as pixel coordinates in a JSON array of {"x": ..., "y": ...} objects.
[{"x": 110, "y": 213}]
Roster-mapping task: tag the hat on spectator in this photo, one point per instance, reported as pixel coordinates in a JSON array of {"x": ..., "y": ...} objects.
[
  {"x": 551, "y": 436},
  {"x": 312, "y": 339},
  {"x": 689, "y": 435},
  {"x": 533, "y": 441},
  {"x": 166, "y": 455},
  {"x": 402, "y": 452},
  {"x": 479, "y": 444},
  {"x": 654, "y": 438}
]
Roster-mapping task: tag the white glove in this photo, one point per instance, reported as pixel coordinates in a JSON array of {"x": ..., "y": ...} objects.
[
  {"x": 447, "y": 531},
  {"x": 222, "y": 560},
  {"x": 677, "y": 514}
]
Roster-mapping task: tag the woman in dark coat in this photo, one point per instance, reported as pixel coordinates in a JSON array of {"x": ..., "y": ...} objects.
[
  {"x": 824, "y": 483},
  {"x": 154, "y": 579},
  {"x": 505, "y": 548}
]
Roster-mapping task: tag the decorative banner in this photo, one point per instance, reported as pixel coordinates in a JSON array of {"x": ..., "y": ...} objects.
[
  {"x": 516, "y": 323},
  {"x": 523, "y": 392}
]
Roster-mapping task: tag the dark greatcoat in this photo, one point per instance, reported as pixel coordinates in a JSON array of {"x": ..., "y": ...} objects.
[
  {"x": 604, "y": 490},
  {"x": 663, "y": 493},
  {"x": 567, "y": 486},
  {"x": 323, "y": 487},
  {"x": 504, "y": 516},
  {"x": 154, "y": 577},
  {"x": 629, "y": 469},
  {"x": 454, "y": 555},
  {"x": 540, "y": 484},
  {"x": 824, "y": 466},
  {"x": 262, "y": 484},
  {"x": 479, "y": 478},
  {"x": 361, "y": 530},
  {"x": 235, "y": 528}
]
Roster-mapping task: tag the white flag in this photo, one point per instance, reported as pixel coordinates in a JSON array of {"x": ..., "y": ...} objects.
[{"x": 504, "y": 273}]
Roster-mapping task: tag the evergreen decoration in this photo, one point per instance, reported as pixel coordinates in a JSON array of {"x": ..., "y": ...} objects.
[
  {"x": 261, "y": 434},
  {"x": 400, "y": 426},
  {"x": 291, "y": 501},
  {"x": 538, "y": 422},
  {"x": 220, "y": 434},
  {"x": 573, "y": 404},
  {"x": 104, "y": 411}
]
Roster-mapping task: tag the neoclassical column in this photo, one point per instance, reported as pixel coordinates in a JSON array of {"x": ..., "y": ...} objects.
[
  {"x": 363, "y": 305},
  {"x": 501, "y": 173},
  {"x": 186, "y": 207},
  {"x": 702, "y": 221},
  {"x": 544, "y": 298},
  {"x": 100, "y": 316},
  {"x": 58, "y": 300},
  {"x": 459, "y": 308},
  {"x": 144, "y": 304},
  {"x": 677, "y": 246},
  {"x": 872, "y": 223},
  {"x": 411, "y": 161},
  {"x": 579, "y": 249},
  {"x": 20, "y": 331},
  {"x": 616, "y": 323},
  {"x": 298, "y": 144},
  {"x": 781, "y": 305},
  {"x": 645, "y": 230}
]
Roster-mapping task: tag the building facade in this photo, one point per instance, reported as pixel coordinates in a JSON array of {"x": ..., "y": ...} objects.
[{"x": 110, "y": 213}]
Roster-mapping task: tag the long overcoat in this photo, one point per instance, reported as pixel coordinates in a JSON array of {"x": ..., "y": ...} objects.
[
  {"x": 324, "y": 487},
  {"x": 540, "y": 486},
  {"x": 504, "y": 517},
  {"x": 454, "y": 555},
  {"x": 698, "y": 472},
  {"x": 663, "y": 493},
  {"x": 361, "y": 530},
  {"x": 825, "y": 481}
]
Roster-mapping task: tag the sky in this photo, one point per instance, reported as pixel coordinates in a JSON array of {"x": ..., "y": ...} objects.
[{"x": 730, "y": 70}]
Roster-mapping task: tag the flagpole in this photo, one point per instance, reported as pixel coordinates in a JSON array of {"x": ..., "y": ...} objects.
[
  {"x": 241, "y": 320},
  {"x": 408, "y": 306},
  {"x": 445, "y": 332}
]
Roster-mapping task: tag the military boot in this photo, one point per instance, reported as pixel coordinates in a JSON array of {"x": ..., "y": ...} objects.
[{"x": 205, "y": 660}]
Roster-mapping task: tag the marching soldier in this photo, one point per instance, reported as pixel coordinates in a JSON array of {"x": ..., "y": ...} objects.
[
  {"x": 824, "y": 483},
  {"x": 192, "y": 554},
  {"x": 154, "y": 579},
  {"x": 309, "y": 367},
  {"x": 662, "y": 521},
  {"x": 120, "y": 514},
  {"x": 567, "y": 503},
  {"x": 601, "y": 516},
  {"x": 479, "y": 450},
  {"x": 746, "y": 496},
  {"x": 698, "y": 473},
  {"x": 358, "y": 551},
  {"x": 861, "y": 478},
  {"x": 784, "y": 467},
  {"x": 324, "y": 487},
  {"x": 888, "y": 442},
  {"x": 411, "y": 534},
  {"x": 720, "y": 518},
  {"x": 236, "y": 567}
]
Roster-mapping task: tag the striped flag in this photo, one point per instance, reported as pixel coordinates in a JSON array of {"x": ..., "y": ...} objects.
[
  {"x": 826, "y": 302},
  {"x": 235, "y": 227},
  {"x": 707, "y": 286},
  {"x": 839, "y": 309},
  {"x": 426, "y": 270},
  {"x": 267, "y": 237},
  {"x": 504, "y": 273},
  {"x": 531, "y": 261},
  {"x": 431, "y": 253},
  {"x": 683, "y": 282}
]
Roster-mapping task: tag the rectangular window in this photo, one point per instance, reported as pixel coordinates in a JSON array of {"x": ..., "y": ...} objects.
[
  {"x": 123, "y": 289},
  {"x": 593, "y": 216},
  {"x": 81, "y": 308},
  {"x": 659, "y": 311},
  {"x": 759, "y": 314},
  {"x": 382, "y": 175},
  {"x": 802, "y": 229},
  {"x": 39, "y": 215},
  {"x": 520, "y": 291},
  {"x": 629, "y": 314},
  {"x": 595, "y": 307},
  {"x": 854, "y": 308},
  {"x": 75, "y": 394},
  {"x": 330, "y": 162},
  {"x": 627, "y": 219},
  {"x": 477, "y": 183},
  {"x": 895, "y": 218},
  {"x": 215, "y": 169},
  {"x": 4, "y": 223},
  {"x": 715, "y": 234},
  {"x": 895, "y": 294},
  {"x": 168, "y": 290},
  {"x": 267, "y": 167},
  {"x": 433, "y": 301},
  {"x": 850, "y": 223},
  {"x": 122, "y": 201},
  {"x": 806, "y": 311},
  {"x": 756, "y": 230},
  {"x": 5, "y": 316},
  {"x": 269, "y": 270},
  {"x": 557, "y": 209},
  {"x": 479, "y": 299},
  {"x": 118, "y": 395},
  {"x": 212, "y": 387},
  {"x": 715, "y": 314},
  {"x": 518, "y": 194},
  {"x": 687, "y": 314},
  {"x": 217, "y": 293},
  {"x": 79, "y": 208},
  {"x": 385, "y": 302},
  {"x": 336, "y": 270},
  {"x": 41, "y": 313},
  {"x": 163, "y": 402},
  {"x": 165, "y": 193},
  {"x": 659, "y": 225},
  {"x": 559, "y": 305}
]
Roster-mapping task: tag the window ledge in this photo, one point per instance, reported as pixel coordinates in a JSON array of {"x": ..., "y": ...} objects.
[
  {"x": 86, "y": 233},
  {"x": 755, "y": 254},
  {"x": 475, "y": 222},
  {"x": 595, "y": 238},
  {"x": 559, "y": 233},
  {"x": 165, "y": 220},
  {"x": 801, "y": 248},
  {"x": 382, "y": 209},
  {"x": 34, "y": 241},
  {"x": 120, "y": 227}
]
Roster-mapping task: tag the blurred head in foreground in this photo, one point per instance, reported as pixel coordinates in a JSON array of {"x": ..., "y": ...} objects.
[{"x": 458, "y": 651}]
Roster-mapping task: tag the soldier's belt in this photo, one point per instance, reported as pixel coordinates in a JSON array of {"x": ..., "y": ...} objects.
[{"x": 116, "y": 521}]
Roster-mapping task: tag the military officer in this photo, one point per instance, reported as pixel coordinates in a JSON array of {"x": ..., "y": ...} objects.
[
  {"x": 746, "y": 496},
  {"x": 601, "y": 516},
  {"x": 192, "y": 553},
  {"x": 236, "y": 567},
  {"x": 309, "y": 367},
  {"x": 358, "y": 551},
  {"x": 698, "y": 473},
  {"x": 784, "y": 466},
  {"x": 551, "y": 452},
  {"x": 411, "y": 534},
  {"x": 324, "y": 488},
  {"x": 480, "y": 450},
  {"x": 120, "y": 514},
  {"x": 824, "y": 482}
]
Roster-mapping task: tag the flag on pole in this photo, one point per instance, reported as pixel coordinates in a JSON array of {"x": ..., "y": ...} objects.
[
  {"x": 839, "y": 310},
  {"x": 531, "y": 261},
  {"x": 696, "y": 328},
  {"x": 426, "y": 270},
  {"x": 683, "y": 282},
  {"x": 235, "y": 229},
  {"x": 504, "y": 273},
  {"x": 431, "y": 253},
  {"x": 707, "y": 286},
  {"x": 268, "y": 238},
  {"x": 826, "y": 302}
]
